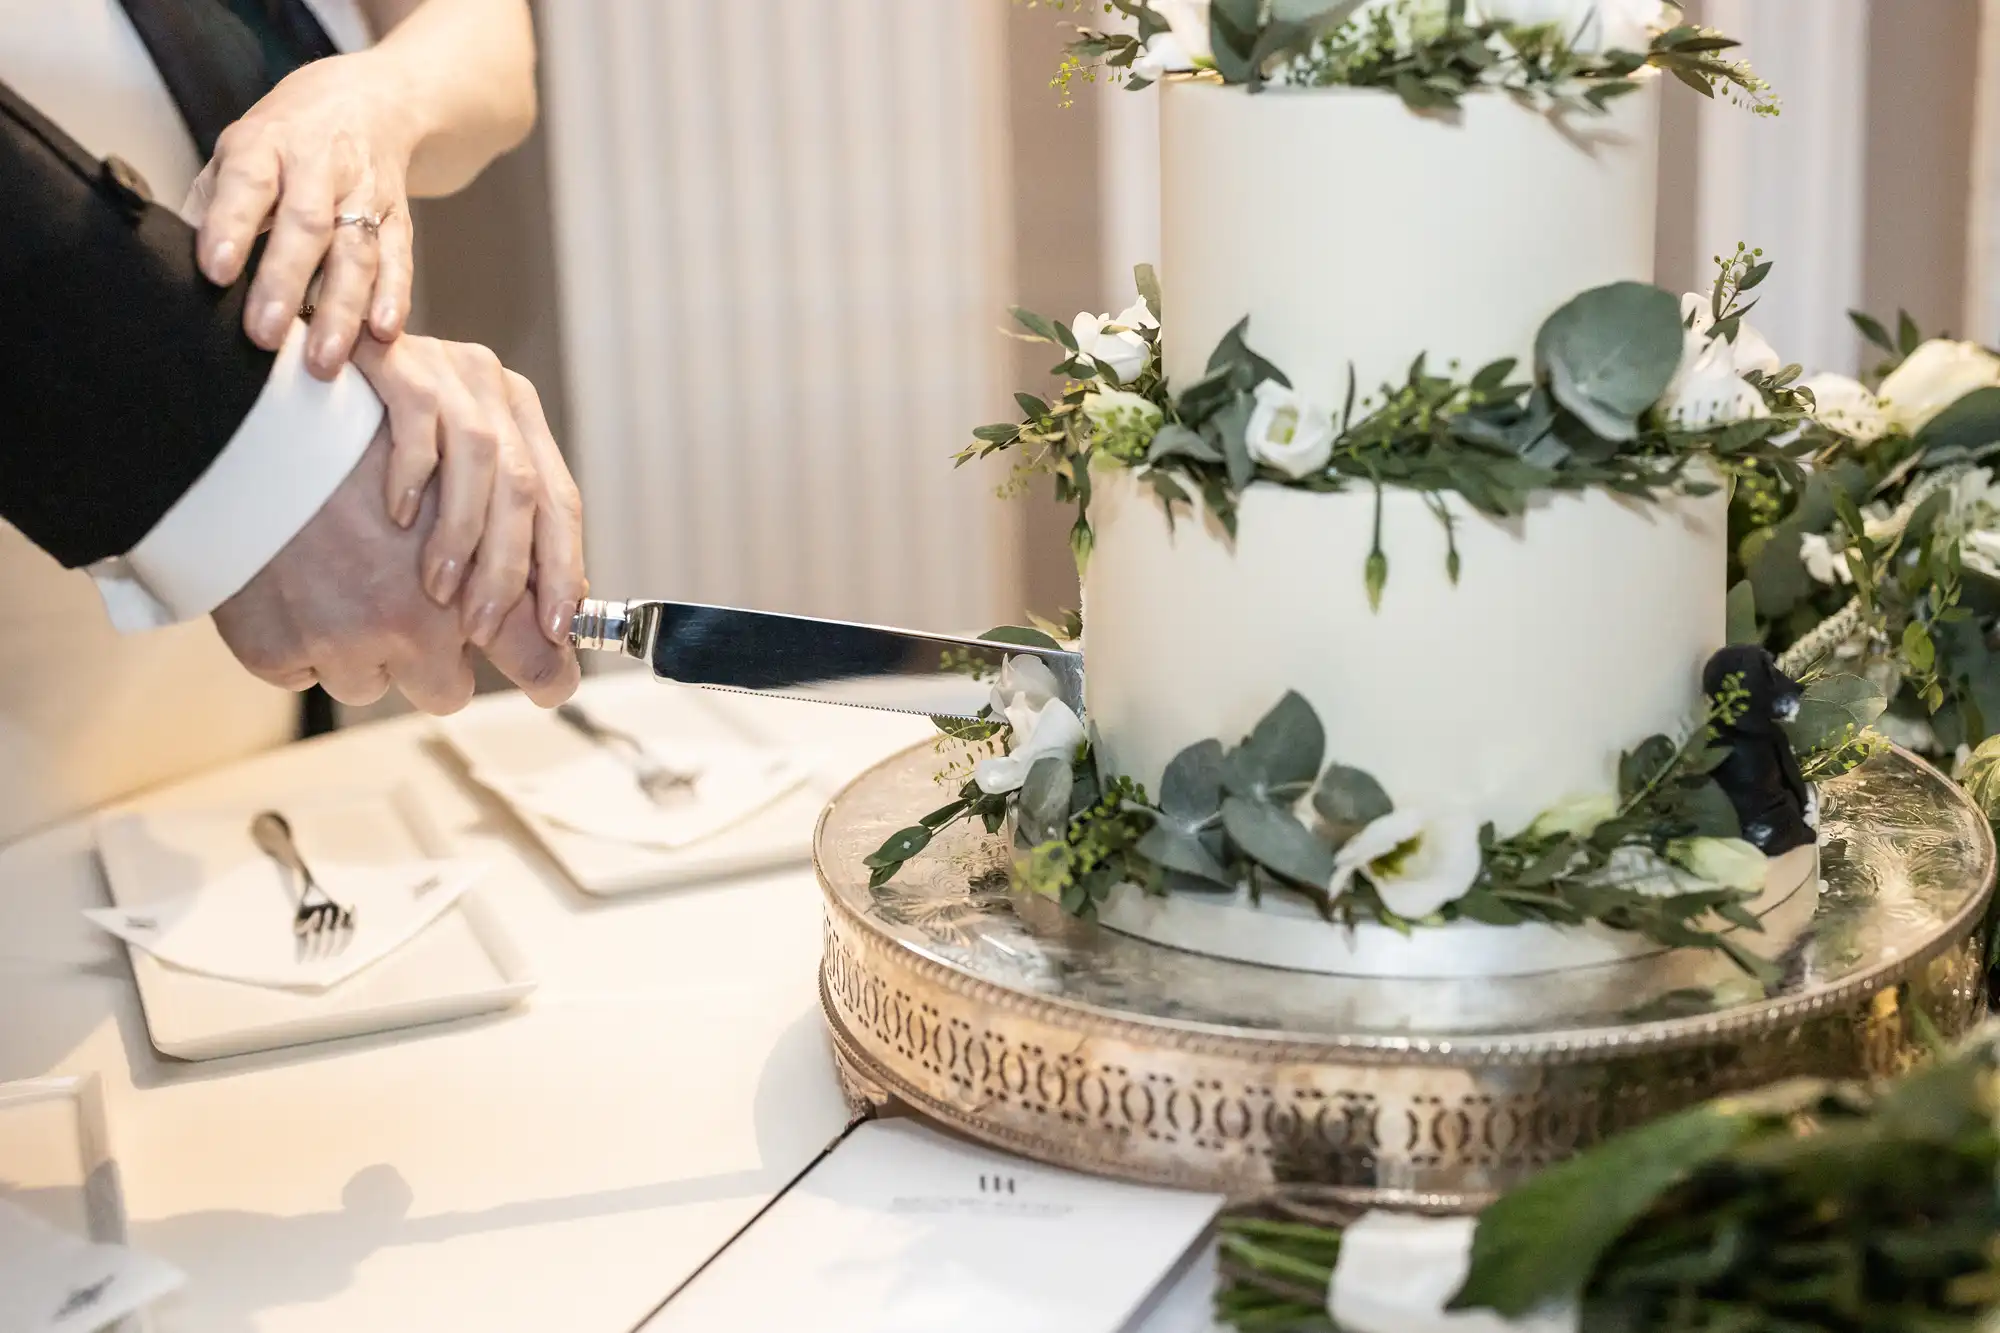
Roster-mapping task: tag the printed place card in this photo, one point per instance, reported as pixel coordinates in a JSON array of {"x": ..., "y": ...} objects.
[{"x": 903, "y": 1229}]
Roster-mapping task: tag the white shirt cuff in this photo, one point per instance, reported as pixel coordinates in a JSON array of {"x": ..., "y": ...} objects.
[{"x": 301, "y": 438}]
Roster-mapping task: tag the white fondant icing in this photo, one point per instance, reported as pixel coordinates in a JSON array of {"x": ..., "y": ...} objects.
[
  {"x": 1572, "y": 633},
  {"x": 1286, "y": 932},
  {"x": 1353, "y": 230}
]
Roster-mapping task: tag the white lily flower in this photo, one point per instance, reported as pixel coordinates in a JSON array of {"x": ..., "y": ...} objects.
[
  {"x": 1575, "y": 816},
  {"x": 1112, "y": 346},
  {"x": 1417, "y": 865},
  {"x": 1288, "y": 432},
  {"x": 1844, "y": 404},
  {"x": 1040, "y": 724},
  {"x": 1936, "y": 375},
  {"x": 1729, "y": 862}
]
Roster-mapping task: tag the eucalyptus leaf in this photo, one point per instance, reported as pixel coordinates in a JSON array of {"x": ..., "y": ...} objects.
[
  {"x": 1044, "y": 808},
  {"x": 900, "y": 847},
  {"x": 1148, "y": 283},
  {"x": 1348, "y": 800},
  {"x": 1020, "y": 635},
  {"x": 1610, "y": 353},
  {"x": 1743, "y": 614},
  {"x": 1233, "y": 353},
  {"x": 1280, "y": 758},
  {"x": 1709, "y": 812},
  {"x": 1644, "y": 765},
  {"x": 1175, "y": 848},
  {"x": 1276, "y": 840},
  {"x": 1833, "y": 708},
  {"x": 1228, "y": 427},
  {"x": 1962, "y": 428},
  {"x": 1177, "y": 441},
  {"x": 1191, "y": 788}
]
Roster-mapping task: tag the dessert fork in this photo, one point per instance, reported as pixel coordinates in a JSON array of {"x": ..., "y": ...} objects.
[
  {"x": 657, "y": 780},
  {"x": 317, "y": 912}
]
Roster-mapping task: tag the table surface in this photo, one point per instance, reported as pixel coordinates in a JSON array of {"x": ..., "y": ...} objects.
[{"x": 562, "y": 1165}]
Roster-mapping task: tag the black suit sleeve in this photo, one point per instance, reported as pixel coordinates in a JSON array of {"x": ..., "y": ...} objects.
[{"x": 123, "y": 371}]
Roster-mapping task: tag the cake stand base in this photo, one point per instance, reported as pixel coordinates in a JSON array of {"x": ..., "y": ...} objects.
[{"x": 987, "y": 1010}]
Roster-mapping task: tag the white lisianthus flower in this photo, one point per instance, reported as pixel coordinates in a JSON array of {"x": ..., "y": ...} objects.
[
  {"x": 1729, "y": 862},
  {"x": 1981, "y": 553},
  {"x": 1111, "y": 343},
  {"x": 1912, "y": 733},
  {"x": 1822, "y": 561},
  {"x": 1575, "y": 816},
  {"x": 1935, "y": 376},
  {"x": 1844, "y": 404},
  {"x": 1118, "y": 409},
  {"x": 1041, "y": 724},
  {"x": 1588, "y": 27},
  {"x": 1287, "y": 432},
  {"x": 1417, "y": 865}
]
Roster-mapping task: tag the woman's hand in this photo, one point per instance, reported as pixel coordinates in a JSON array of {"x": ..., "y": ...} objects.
[
  {"x": 509, "y": 516},
  {"x": 332, "y": 141}
]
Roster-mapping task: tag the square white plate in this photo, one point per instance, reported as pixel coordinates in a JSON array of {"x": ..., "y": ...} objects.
[
  {"x": 56, "y": 1162},
  {"x": 463, "y": 963},
  {"x": 508, "y": 734}
]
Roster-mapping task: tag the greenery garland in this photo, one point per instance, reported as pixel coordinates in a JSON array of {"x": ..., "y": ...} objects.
[
  {"x": 1591, "y": 416},
  {"x": 1655, "y": 859},
  {"x": 1431, "y": 53}
]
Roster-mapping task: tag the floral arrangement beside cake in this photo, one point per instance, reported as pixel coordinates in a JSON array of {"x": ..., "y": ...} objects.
[{"x": 1404, "y": 521}]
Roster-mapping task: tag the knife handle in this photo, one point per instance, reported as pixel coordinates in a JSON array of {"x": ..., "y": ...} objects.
[{"x": 614, "y": 627}]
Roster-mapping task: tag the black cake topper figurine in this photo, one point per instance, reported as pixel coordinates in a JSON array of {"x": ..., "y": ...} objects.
[{"x": 1761, "y": 774}]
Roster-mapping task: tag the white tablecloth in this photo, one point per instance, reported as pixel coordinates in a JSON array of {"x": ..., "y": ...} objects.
[{"x": 562, "y": 1166}]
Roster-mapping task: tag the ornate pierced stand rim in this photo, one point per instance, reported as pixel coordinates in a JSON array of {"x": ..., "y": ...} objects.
[{"x": 1066, "y": 1041}]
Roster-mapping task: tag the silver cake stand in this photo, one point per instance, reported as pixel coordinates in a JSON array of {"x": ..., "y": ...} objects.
[{"x": 986, "y": 1009}]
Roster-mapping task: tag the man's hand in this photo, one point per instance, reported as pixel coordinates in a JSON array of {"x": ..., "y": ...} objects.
[{"x": 343, "y": 606}]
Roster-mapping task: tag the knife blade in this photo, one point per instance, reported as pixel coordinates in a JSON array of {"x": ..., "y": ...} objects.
[{"x": 825, "y": 661}]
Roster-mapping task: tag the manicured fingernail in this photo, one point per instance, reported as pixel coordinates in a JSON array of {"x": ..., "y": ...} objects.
[
  {"x": 442, "y": 584},
  {"x": 485, "y": 624},
  {"x": 384, "y": 318},
  {"x": 406, "y": 508},
  {"x": 219, "y": 260},
  {"x": 560, "y": 621},
  {"x": 271, "y": 322},
  {"x": 326, "y": 352}
]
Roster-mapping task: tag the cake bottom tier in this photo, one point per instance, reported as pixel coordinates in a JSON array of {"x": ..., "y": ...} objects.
[{"x": 1287, "y": 933}]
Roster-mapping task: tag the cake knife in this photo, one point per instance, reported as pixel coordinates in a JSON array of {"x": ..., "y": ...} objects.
[{"x": 799, "y": 657}]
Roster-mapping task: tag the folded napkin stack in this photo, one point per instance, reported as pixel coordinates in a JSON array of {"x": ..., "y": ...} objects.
[{"x": 598, "y": 794}]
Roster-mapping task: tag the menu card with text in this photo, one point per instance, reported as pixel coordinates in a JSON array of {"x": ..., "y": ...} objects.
[{"x": 905, "y": 1229}]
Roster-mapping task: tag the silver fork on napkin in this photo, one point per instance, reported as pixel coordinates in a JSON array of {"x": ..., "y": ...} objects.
[
  {"x": 317, "y": 914},
  {"x": 657, "y": 780}
]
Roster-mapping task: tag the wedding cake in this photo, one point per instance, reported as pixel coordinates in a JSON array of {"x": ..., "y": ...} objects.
[{"x": 1403, "y": 518}]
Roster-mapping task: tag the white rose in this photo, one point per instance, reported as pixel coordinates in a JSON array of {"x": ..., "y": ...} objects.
[
  {"x": 1822, "y": 561},
  {"x": 1981, "y": 552},
  {"x": 1588, "y": 26},
  {"x": 1575, "y": 816},
  {"x": 1845, "y": 405},
  {"x": 1417, "y": 865},
  {"x": 1112, "y": 345},
  {"x": 1287, "y": 432},
  {"x": 1937, "y": 374},
  {"x": 1729, "y": 862},
  {"x": 1041, "y": 725},
  {"x": 1187, "y": 21}
]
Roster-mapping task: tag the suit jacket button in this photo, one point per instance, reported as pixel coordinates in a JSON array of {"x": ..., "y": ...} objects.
[{"x": 127, "y": 188}]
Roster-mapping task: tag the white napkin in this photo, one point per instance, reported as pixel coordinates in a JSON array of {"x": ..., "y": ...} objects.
[
  {"x": 239, "y": 925},
  {"x": 1396, "y": 1273},
  {"x": 53, "y": 1282},
  {"x": 599, "y": 795}
]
